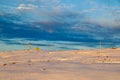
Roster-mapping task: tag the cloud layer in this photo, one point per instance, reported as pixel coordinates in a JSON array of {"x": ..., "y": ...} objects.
[
  {"x": 59, "y": 20},
  {"x": 26, "y": 7}
]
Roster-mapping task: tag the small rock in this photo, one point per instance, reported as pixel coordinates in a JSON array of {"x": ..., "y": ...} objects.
[
  {"x": 4, "y": 64},
  {"x": 44, "y": 69},
  {"x": 13, "y": 63}
]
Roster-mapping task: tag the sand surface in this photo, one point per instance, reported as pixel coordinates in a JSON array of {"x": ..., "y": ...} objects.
[{"x": 60, "y": 65}]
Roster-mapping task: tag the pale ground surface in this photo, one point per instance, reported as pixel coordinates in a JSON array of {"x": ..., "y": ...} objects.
[{"x": 60, "y": 65}]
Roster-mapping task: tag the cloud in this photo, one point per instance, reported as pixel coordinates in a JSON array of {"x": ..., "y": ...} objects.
[
  {"x": 88, "y": 10},
  {"x": 59, "y": 22},
  {"x": 26, "y": 7},
  {"x": 54, "y": 5},
  {"x": 116, "y": 15},
  {"x": 63, "y": 6},
  {"x": 105, "y": 22},
  {"x": 65, "y": 27},
  {"x": 7, "y": 9},
  {"x": 54, "y": 30}
]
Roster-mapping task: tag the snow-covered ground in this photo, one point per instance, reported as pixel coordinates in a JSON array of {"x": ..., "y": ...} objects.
[{"x": 101, "y": 64}]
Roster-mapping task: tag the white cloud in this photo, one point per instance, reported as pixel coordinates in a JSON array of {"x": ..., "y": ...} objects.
[
  {"x": 52, "y": 5},
  {"x": 89, "y": 10},
  {"x": 105, "y": 22},
  {"x": 26, "y": 7},
  {"x": 62, "y": 6}
]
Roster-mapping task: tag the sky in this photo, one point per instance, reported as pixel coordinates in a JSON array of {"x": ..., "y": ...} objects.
[{"x": 68, "y": 22}]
